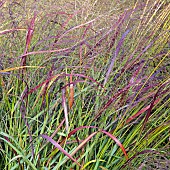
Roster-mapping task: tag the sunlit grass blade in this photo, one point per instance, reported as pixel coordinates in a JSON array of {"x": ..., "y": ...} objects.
[
  {"x": 64, "y": 104},
  {"x": 17, "y": 68},
  {"x": 11, "y": 30}
]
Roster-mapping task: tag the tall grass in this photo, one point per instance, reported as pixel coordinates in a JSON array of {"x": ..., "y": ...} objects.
[{"x": 84, "y": 85}]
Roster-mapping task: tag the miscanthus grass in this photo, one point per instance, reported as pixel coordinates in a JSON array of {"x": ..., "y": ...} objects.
[{"x": 84, "y": 84}]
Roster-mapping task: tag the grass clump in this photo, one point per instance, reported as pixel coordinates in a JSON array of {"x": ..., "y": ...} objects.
[{"x": 84, "y": 85}]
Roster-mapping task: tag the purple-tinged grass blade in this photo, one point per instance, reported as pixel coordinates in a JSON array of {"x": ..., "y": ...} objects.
[
  {"x": 115, "y": 54},
  {"x": 54, "y": 133},
  {"x": 30, "y": 33},
  {"x": 28, "y": 42},
  {"x": 59, "y": 147}
]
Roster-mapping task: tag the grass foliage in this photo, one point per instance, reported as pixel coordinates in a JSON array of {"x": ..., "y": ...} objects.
[{"x": 84, "y": 84}]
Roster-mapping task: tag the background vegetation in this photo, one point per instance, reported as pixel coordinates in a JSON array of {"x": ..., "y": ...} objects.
[{"x": 84, "y": 84}]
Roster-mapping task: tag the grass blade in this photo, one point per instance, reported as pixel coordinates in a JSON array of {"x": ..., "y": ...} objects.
[{"x": 59, "y": 147}]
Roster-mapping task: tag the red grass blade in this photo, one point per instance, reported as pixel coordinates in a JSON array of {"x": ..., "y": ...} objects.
[
  {"x": 59, "y": 147},
  {"x": 152, "y": 104},
  {"x": 117, "y": 142},
  {"x": 62, "y": 75},
  {"x": 79, "y": 128},
  {"x": 83, "y": 143},
  {"x": 103, "y": 131},
  {"x": 140, "y": 112}
]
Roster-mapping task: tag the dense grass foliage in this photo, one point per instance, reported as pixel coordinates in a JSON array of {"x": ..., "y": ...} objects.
[{"x": 84, "y": 84}]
